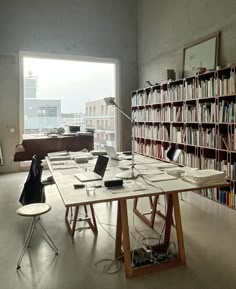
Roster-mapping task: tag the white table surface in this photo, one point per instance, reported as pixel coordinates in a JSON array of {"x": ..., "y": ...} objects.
[{"x": 64, "y": 179}]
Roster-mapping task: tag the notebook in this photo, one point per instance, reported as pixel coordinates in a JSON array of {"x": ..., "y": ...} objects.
[
  {"x": 97, "y": 173},
  {"x": 111, "y": 152}
]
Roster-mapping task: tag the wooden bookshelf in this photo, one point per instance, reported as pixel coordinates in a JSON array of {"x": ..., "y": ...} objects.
[{"x": 197, "y": 115}]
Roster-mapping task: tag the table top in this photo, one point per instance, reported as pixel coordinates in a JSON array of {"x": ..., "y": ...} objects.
[{"x": 63, "y": 173}]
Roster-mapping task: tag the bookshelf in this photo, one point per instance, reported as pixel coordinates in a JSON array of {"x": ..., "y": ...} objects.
[{"x": 197, "y": 115}]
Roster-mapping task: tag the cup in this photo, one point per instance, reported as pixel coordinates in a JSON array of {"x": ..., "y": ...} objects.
[{"x": 90, "y": 189}]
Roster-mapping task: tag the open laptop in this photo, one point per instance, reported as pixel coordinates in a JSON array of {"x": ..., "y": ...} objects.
[
  {"x": 111, "y": 152},
  {"x": 97, "y": 173}
]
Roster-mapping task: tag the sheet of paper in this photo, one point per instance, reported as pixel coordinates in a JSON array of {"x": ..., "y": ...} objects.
[
  {"x": 161, "y": 177},
  {"x": 135, "y": 186},
  {"x": 151, "y": 172}
]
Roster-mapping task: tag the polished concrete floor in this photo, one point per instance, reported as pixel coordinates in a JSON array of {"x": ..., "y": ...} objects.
[{"x": 209, "y": 233}]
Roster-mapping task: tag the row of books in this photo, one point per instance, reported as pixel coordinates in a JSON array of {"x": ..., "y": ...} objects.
[
  {"x": 203, "y": 88},
  {"x": 203, "y": 112},
  {"x": 215, "y": 86},
  {"x": 191, "y": 113},
  {"x": 228, "y": 167},
  {"x": 147, "y": 115},
  {"x": 206, "y": 137},
  {"x": 188, "y": 159},
  {"x": 178, "y": 113},
  {"x": 191, "y": 160},
  {"x": 224, "y": 197},
  {"x": 176, "y": 92},
  {"x": 192, "y": 136},
  {"x": 152, "y": 132},
  {"x": 206, "y": 112},
  {"x": 226, "y": 86},
  {"x": 160, "y": 132},
  {"x": 152, "y": 150},
  {"x": 206, "y": 88},
  {"x": 200, "y": 88},
  {"x": 207, "y": 163},
  {"x": 227, "y": 140},
  {"x": 177, "y": 134},
  {"x": 227, "y": 111}
]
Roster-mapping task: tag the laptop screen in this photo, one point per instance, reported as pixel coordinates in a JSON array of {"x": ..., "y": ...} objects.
[
  {"x": 101, "y": 165},
  {"x": 111, "y": 152}
]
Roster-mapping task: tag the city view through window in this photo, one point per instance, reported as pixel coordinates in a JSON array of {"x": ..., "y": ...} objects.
[{"x": 67, "y": 96}]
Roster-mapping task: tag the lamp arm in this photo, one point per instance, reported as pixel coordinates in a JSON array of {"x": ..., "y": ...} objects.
[
  {"x": 121, "y": 111},
  {"x": 132, "y": 144}
]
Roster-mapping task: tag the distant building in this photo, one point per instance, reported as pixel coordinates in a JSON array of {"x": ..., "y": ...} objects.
[
  {"x": 76, "y": 119},
  {"x": 102, "y": 118},
  {"x": 42, "y": 115},
  {"x": 30, "y": 86}
]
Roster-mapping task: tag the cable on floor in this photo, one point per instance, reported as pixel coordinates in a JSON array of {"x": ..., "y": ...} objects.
[{"x": 107, "y": 266}]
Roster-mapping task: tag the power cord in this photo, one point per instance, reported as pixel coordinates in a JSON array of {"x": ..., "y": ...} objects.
[
  {"x": 150, "y": 184},
  {"x": 148, "y": 248},
  {"x": 107, "y": 266},
  {"x": 101, "y": 224}
]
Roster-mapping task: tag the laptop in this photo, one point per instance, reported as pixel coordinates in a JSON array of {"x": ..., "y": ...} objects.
[
  {"x": 111, "y": 152},
  {"x": 97, "y": 173},
  {"x": 173, "y": 154}
]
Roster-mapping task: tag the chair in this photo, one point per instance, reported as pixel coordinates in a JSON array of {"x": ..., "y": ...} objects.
[
  {"x": 35, "y": 210},
  {"x": 33, "y": 190},
  {"x": 33, "y": 205}
]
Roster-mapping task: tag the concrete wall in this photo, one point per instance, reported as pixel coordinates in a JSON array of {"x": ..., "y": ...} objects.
[
  {"x": 104, "y": 28},
  {"x": 165, "y": 27}
]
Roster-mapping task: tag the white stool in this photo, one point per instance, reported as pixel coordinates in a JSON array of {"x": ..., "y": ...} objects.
[{"x": 34, "y": 211}]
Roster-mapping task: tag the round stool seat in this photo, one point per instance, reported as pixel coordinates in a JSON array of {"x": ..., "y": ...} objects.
[{"x": 33, "y": 210}]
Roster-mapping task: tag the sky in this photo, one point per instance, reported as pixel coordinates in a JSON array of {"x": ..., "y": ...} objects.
[{"x": 74, "y": 82}]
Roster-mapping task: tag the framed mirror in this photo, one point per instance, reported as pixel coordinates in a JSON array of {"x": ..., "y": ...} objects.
[{"x": 202, "y": 53}]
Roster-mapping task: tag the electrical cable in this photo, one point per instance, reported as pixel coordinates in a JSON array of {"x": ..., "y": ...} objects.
[
  {"x": 150, "y": 184},
  {"x": 107, "y": 268},
  {"x": 101, "y": 224},
  {"x": 109, "y": 263},
  {"x": 146, "y": 239}
]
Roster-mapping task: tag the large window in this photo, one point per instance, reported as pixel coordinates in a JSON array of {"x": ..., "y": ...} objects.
[{"x": 63, "y": 93}]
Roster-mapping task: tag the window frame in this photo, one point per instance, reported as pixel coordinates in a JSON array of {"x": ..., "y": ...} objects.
[{"x": 23, "y": 54}]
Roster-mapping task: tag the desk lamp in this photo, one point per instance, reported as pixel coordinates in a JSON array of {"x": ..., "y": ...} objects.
[{"x": 130, "y": 174}]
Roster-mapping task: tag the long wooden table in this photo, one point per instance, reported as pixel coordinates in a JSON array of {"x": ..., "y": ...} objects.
[{"x": 74, "y": 198}]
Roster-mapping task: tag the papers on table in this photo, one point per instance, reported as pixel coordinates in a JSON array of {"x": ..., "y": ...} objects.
[
  {"x": 163, "y": 165},
  {"x": 135, "y": 186},
  {"x": 60, "y": 157},
  {"x": 179, "y": 171},
  {"x": 131, "y": 186},
  {"x": 63, "y": 164},
  {"x": 160, "y": 178},
  {"x": 116, "y": 190},
  {"x": 150, "y": 172},
  {"x": 205, "y": 177}
]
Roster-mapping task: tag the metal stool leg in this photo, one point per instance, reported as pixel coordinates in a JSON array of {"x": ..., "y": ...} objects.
[
  {"x": 27, "y": 242},
  {"x": 49, "y": 240}
]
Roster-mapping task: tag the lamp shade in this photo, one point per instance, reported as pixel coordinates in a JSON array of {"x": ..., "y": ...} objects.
[{"x": 109, "y": 100}]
